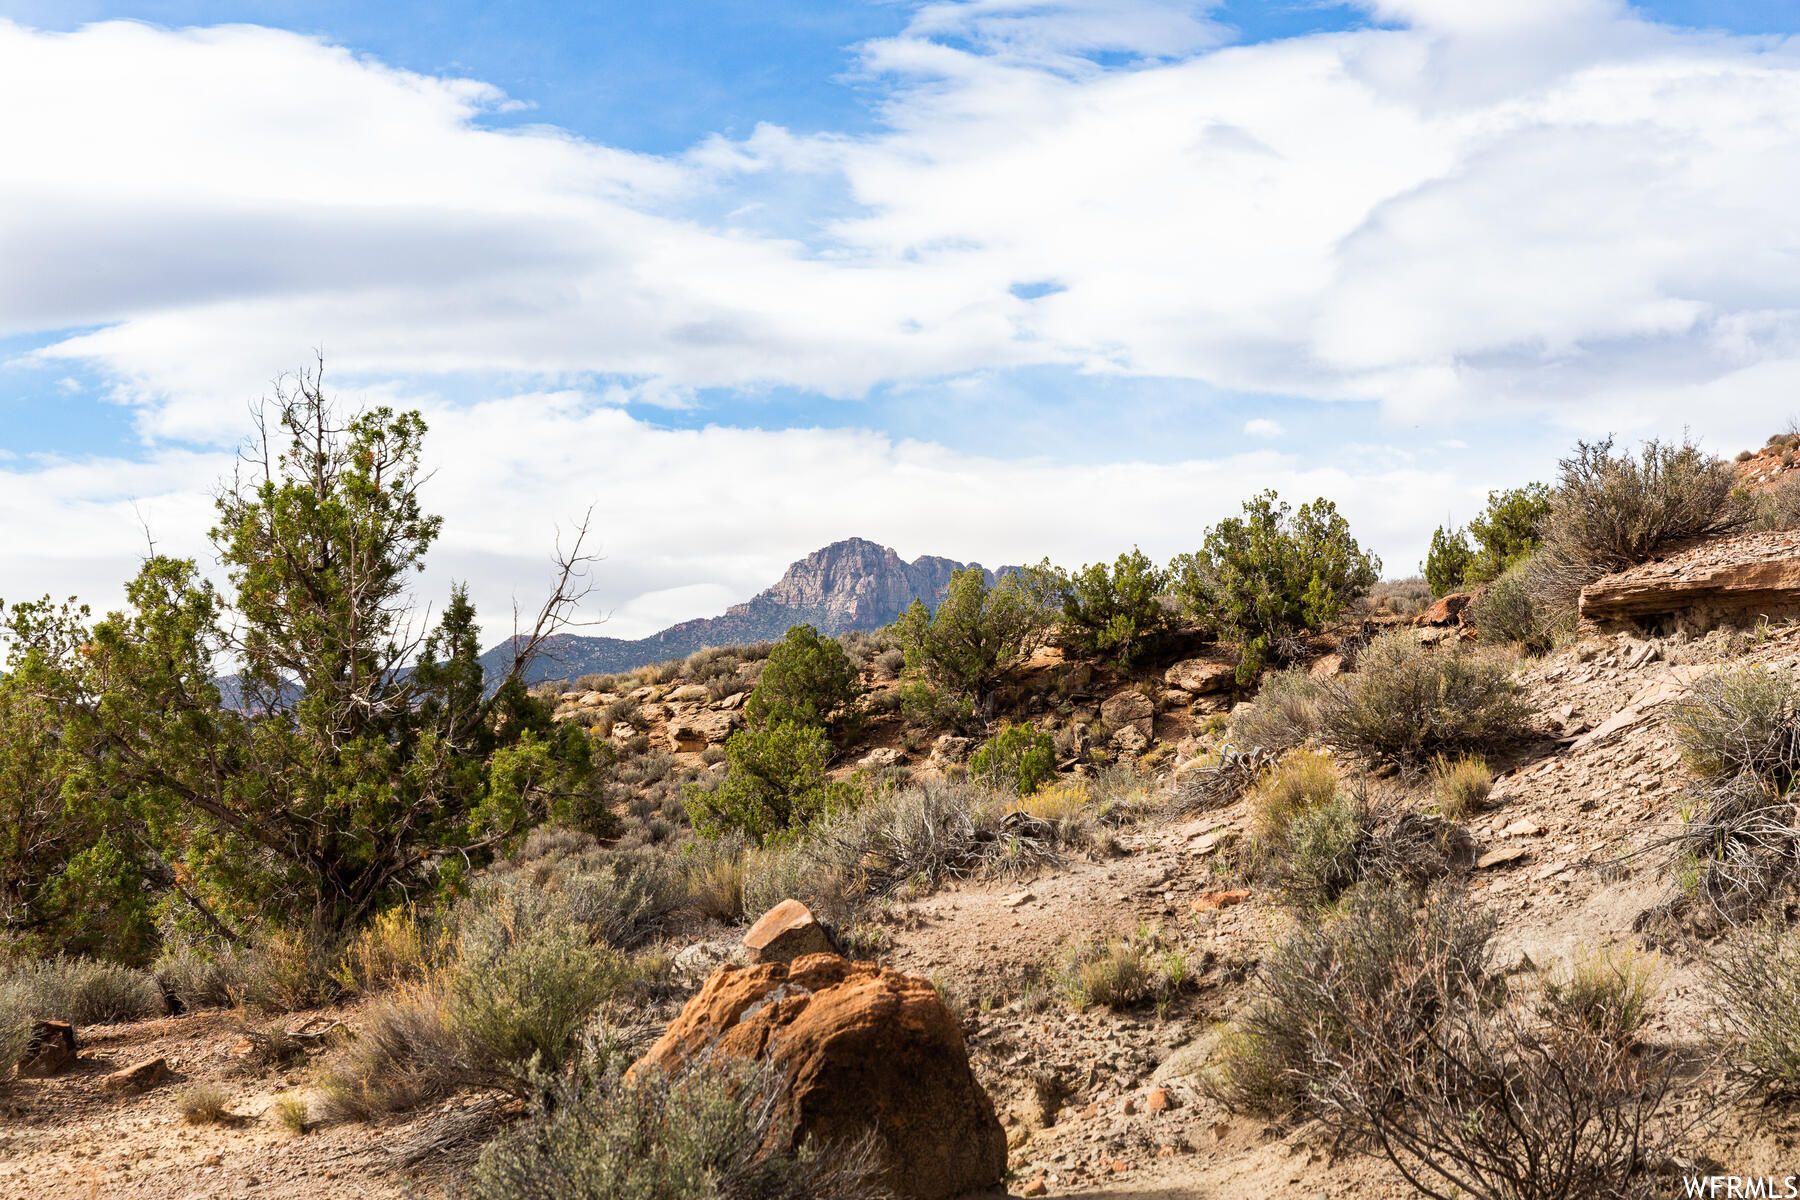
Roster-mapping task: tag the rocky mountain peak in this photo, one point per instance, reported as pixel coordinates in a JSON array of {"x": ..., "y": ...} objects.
[{"x": 853, "y": 583}]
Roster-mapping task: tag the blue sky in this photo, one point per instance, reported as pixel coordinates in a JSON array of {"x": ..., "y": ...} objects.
[{"x": 986, "y": 278}]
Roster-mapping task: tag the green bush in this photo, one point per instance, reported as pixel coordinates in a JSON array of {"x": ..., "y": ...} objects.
[
  {"x": 806, "y": 680},
  {"x": 978, "y": 635},
  {"x": 1116, "y": 612},
  {"x": 1447, "y": 561},
  {"x": 774, "y": 783},
  {"x": 1273, "y": 574},
  {"x": 709, "y": 1132},
  {"x": 1406, "y": 702},
  {"x": 1019, "y": 758},
  {"x": 1613, "y": 511},
  {"x": 526, "y": 979},
  {"x": 1507, "y": 533},
  {"x": 80, "y": 991}
]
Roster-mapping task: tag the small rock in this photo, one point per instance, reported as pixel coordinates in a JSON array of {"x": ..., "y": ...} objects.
[
  {"x": 1129, "y": 1108},
  {"x": 1524, "y": 827},
  {"x": 1019, "y": 898},
  {"x": 1159, "y": 1100},
  {"x": 786, "y": 932},
  {"x": 1036, "y": 1187},
  {"x": 1224, "y": 899},
  {"x": 1500, "y": 857},
  {"x": 138, "y": 1076}
]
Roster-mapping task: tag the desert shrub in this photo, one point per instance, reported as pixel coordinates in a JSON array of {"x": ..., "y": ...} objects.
[
  {"x": 1507, "y": 533},
  {"x": 594, "y": 683},
  {"x": 392, "y": 949},
  {"x": 1735, "y": 846},
  {"x": 1381, "y": 970},
  {"x": 708, "y": 1132},
  {"x": 1285, "y": 714},
  {"x": 525, "y": 974},
  {"x": 1460, "y": 785},
  {"x": 203, "y": 1104},
  {"x": 284, "y": 970},
  {"x": 15, "y": 1033},
  {"x": 807, "y": 679},
  {"x": 79, "y": 990},
  {"x": 1018, "y": 758},
  {"x": 1061, "y": 804},
  {"x": 1741, "y": 720},
  {"x": 1505, "y": 611},
  {"x": 1407, "y": 702},
  {"x": 1119, "y": 972},
  {"x": 1754, "y": 980},
  {"x": 890, "y": 662},
  {"x": 775, "y": 783},
  {"x": 405, "y": 1054},
  {"x": 1612, "y": 511},
  {"x": 926, "y": 834},
  {"x": 1401, "y": 597},
  {"x": 1608, "y": 991},
  {"x": 1116, "y": 611},
  {"x": 192, "y": 977},
  {"x": 1300, "y": 781},
  {"x": 1335, "y": 840},
  {"x": 978, "y": 635},
  {"x": 525, "y": 980},
  {"x": 1778, "y": 506},
  {"x": 1447, "y": 561},
  {"x": 1274, "y": 573},
  {"x": 805, "y": 871},
  {"x": 1496, "y": 1101}
]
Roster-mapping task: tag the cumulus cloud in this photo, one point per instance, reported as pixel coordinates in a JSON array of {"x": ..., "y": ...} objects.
[
  {"x": 1549, "y": 210},
  {"x": 1262, "y": 427}
]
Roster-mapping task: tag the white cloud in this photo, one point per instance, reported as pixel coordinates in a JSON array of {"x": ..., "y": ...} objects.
[
  {"x": 1547, "y": 210},
  {"x": 1263, "y": 427},
  {"x": 691, "y": 520}
]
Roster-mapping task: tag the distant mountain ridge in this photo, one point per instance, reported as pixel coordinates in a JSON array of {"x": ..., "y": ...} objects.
[{"x": 849, "y": 585}]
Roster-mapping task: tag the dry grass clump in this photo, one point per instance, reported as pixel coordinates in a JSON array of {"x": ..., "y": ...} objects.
[
  {"x": 1301, "y": 781},
  {"x": 199, "y": 977},
  {"x": 1754, "y": 978},
  {"x": 1121, "y": 972},
  {"x": 292, "y": 1113},
  {"x": 1608, "y": 991},
  {"x": 15, "y": 1036},
  {"x": 1407, "y": 702},
  {"x": 709, "y": 1132},
  {"x": 393, "y": 949},
  {"x": 203, "y": 1104},
  {"x": 1460, "y": 785}
]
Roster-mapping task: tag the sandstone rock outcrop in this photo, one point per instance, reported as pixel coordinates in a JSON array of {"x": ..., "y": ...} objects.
[
  {"x": 138, "y": 1076},
  {"x": 1726, "y": 580},
  {"x": 860, "y": 1047},
  {"x": 786, "y": 932},
  {"x": 1445, "y": 610},
  {"x": 1199, "y": 676},
  {"x": 700, "y": 730},
  {"x": 1129, "y": 709}
]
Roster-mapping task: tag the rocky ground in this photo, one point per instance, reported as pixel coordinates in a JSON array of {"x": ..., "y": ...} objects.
[{"x": 1094, "y": 1102}]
